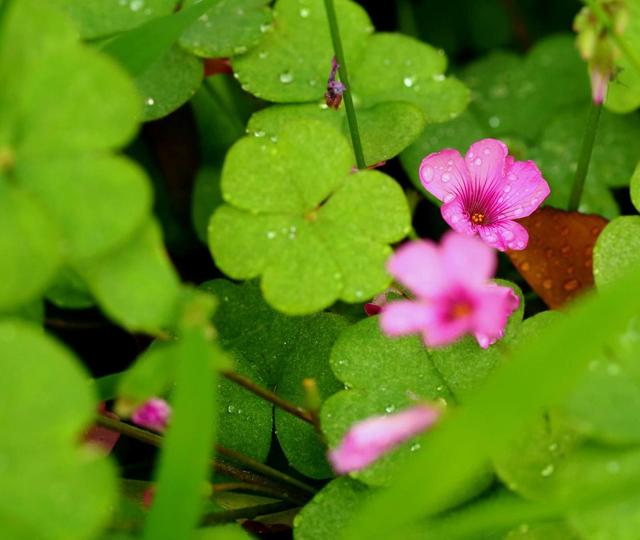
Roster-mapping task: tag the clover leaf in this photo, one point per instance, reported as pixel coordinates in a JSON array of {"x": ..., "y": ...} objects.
[
  {"x": 279, "y": 352},
  {"x": 616, "y": 249},
  {"x": 228, "y": 28},
  {"x": 63, "y": 108},
  {"x": 291, "y": 63},
  {"x": 51, "y": 487},
  {"x": 298, "y": 217}
]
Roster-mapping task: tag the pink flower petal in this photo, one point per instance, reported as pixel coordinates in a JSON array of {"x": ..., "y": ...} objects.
[
  {"x": 460, "y": 254},
  {"x": 523, "y": 190},
  {"x": 495, "y": 305},
  {"x": 486, "y": 162},
  {"x": 505, "y": 235},
  {"x": 369, "y": 439},
  {"x": 404, "y": 317},
  {"x": 443, "y": 173},
  {"x": 418, "y": 266},
  {"x": 456, "y": 215},
  {"x": 152, "y": 414},
  {"x": 445, "y": 330}
]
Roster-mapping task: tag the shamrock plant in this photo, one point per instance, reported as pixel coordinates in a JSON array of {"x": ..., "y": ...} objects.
[{"x": 298, "y": 268}]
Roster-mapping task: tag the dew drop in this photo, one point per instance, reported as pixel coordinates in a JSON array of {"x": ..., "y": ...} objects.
[
  {"x": 571, "y": 284},
  {"x": 409, "y": 81},
  {"x": 547, "y": 284},
  {"x": 265, "y": 27},
  {"x": 517, "y": 211},
  {"x": 525, "y": 266},
  {"x": 390, "y": 408},
  {"x": 446, "y": 177},
  {"x": 547, "y": 471},
  {"x": 304, "y": 13},
  {"x": 427, "y": 174},
  {"x": 449, "y": 197},
  {"x": 477, "y": 162},
  {"x": 507, "y": 189},
  {"x": 231, "y": 409},
  {"x": 494, "y": 122},
  {"x": 150, "y": 102},
  {"x": 508, "y": 235},
  {"x": 439, "y": 78},
  {"x": 262, "y": 55},
  {"x": 136, "y": 5},
  {"x": 241, "y": 49},
  {"x": 566, "y": 250},
  {"x": 259, "y": 133},
  {"x": 271, "y": 235},
  {"x": 415, "y": 447},
  {"x": 286, "y": 77},
  {"x": 553, "y": 447}
]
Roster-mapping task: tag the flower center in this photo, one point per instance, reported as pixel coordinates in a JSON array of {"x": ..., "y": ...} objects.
[
  {"x": 460, "y": 309},
  {"x": 477, "y": 218}
]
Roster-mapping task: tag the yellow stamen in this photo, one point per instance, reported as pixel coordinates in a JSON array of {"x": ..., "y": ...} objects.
[{"x": 477, "y": 218}]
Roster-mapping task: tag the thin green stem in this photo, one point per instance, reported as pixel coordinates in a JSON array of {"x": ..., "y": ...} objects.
[
  {"x": 621, "y": 43},
  {"x": 344, "y": 77},
  {"x": 585, "y": 156},
  {"x": 248, "y": 512},
  {"x": 267, "y": 485},
  {"x": 270, "y": 396}
]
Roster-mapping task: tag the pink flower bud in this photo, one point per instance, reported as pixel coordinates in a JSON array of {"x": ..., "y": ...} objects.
[
  {"x": 369, "y": 439},
  {"x": 152, "y": 414}
]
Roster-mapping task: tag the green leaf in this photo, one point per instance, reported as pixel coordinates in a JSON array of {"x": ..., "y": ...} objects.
[
  {"x": 97, "y": 18},
  {"x": 136, "y": 284},
  {"x": 286, "y": 229},
  {"x": 141, "y": 47},
  {"x": 386, "y": 129},
  {"x": 309, "y": 360},
  {"x": 292, "y": 61},
  {"x": 99, "y": 202},
  {"x": 169, "y": 82},
  {"x": 223, "y": 532},
  {"x": 399, "y": 68},
  {"x": 228, "y": 28},
  {"x": 383, "y": 375},
  {"x": 623, "y": 93},
  {"x": 603, "y": 404},
  {"x": 65, "y": 492},
  {"x": 69, "y": 291},
  {"x": 514, "y": 96},
  {"x": 330, "y": 510},
  {"x": 151, "y": 375},
  {"x": 186, "y": 452},
  {"x": 278, "y": 352},
  {"x": 634, "y": 187},
  {"x": 29, "y": 235},
  {"x": 244, "y": 420},
  {"x": 531, "y": 381},
  {"x": 617, "y": 249}
]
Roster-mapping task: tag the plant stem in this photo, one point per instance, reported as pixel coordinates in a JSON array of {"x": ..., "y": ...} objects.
[
  {"x": 344, "y": 77},
  {"x": 270, "y": 396},
  {"x": 249, "y": 512},
  {"x": 585, "y": 156},
  {"x": 267, "y": 485}
]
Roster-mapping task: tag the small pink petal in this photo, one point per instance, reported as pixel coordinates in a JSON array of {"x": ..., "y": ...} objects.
[
  {"x": 505, "y": 235},
  {"x": 417, "y": 265},
  {"x": 152, "y": 414},
  {"x": 368, "y": 440},
  {"x": 405, "y": 317},
  {"x": 486, "y": 161},
  {"x": 495, "y": 305},
  {"x": 460, "y": 254},
  {"x": 599, "y": 83},
  {"x": 443, "y": 173},
  {"x": 372, "y": 309}
]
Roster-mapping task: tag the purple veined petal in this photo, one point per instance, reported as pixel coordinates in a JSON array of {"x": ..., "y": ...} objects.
[
  {"x": 405, "y": 317},
  {"x": 495, "y": 304},
  {"x": 467, "y": 260},
  {"x": 505, "y": 235},
  {"x": 368, "y": 440},
  {"x": 443, "y": 173},
  {"x": 486, "y": 160},
  {"x": 418, "y": 266},
  {"x": 522, "y": 192},
  {"x": 457, "y": 217}
]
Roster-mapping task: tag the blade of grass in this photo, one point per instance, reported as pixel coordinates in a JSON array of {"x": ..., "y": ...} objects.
[
  {"x": 139, "y": 48},
  {"x": 540, "y": 373},
  {"x": 184, "y": 462}
]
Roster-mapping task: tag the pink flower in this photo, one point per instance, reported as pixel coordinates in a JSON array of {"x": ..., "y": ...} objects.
[
  {"x": 484, "y": 192},
  {"x": 369, "y": 439},
  {"x": 152, "y": 414},
  {"x": 599, "y": 82},
  {"x": 453, "y": 293}
]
